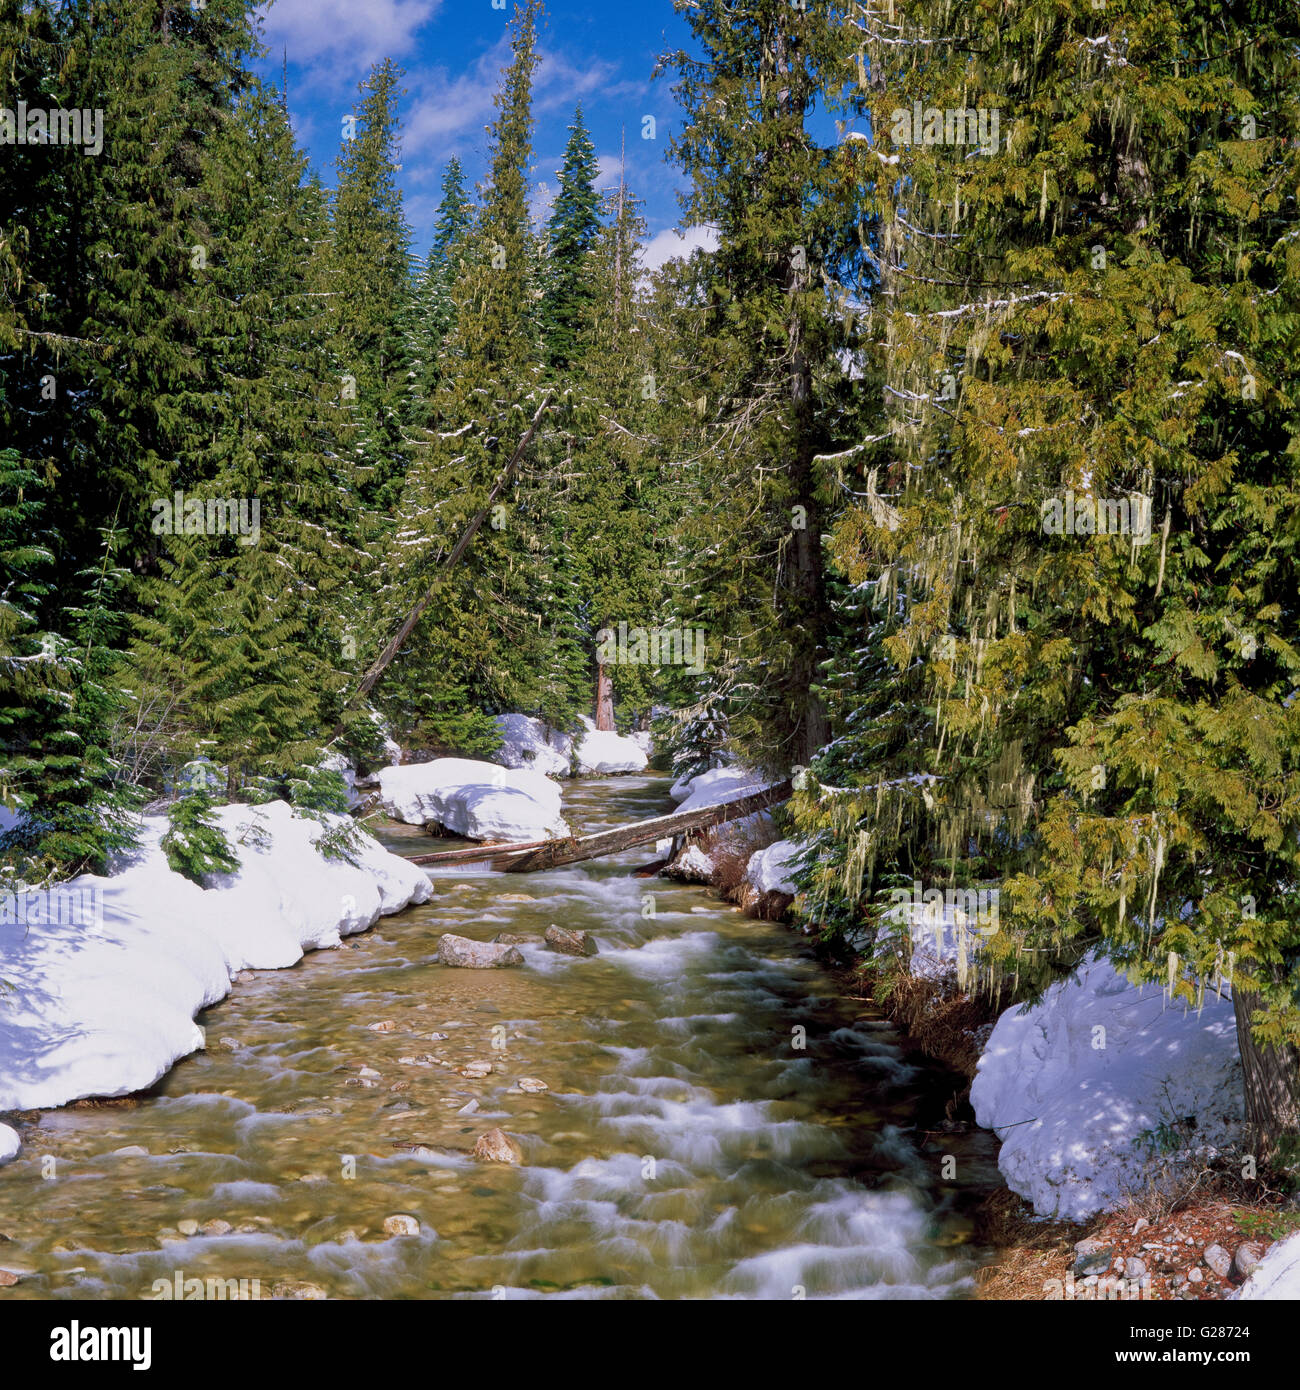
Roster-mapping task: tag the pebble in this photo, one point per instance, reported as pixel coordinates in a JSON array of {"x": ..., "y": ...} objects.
[
  {"x": 532, "y": 1085},
  {"x": 1134, "y": 1269},
  {"x": 132, "y": 1151},
  {"x": 216, "y": 1227},
  {"x": 1140, "y": 1226},
  {"x": 188, "y": 1227},
  {"x": 368, "y": 1071},
  {"x": 1247, "y": 1256},
  {"x": 298, "y": 1289},
  {"x": 1219, "y": 1260},
  {"x": 7, "y": 1279},
  {"x": 476, "y": 1069},
  {"x": 496, "y": 1146},
  {"x": 401, "y": 1225},
  {"x": 387, "y": 1026},
  {"x": 469, "y": 1109},
  {"x": 1194, "y": 1274},
  {"x": 439, "y": 1037}
]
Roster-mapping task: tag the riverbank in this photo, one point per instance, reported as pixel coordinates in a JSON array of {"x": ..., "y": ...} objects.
[
  {"x": 1195, "y": 1231},
  {"x": 105, "y": 986}
]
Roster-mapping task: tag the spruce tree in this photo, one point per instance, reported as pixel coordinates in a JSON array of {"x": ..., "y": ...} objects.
[{"x": 571, "y": 233}]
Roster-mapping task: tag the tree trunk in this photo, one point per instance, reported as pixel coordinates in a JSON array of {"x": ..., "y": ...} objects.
[
  {"x": 1271, "y": 1079},
  {"x": 604, "y": 698}
]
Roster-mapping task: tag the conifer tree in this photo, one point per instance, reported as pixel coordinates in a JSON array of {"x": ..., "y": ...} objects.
[
  {"x": 1092, "y": 313},
  {"x": 766, "y": 346},
  {"x": 571, "y": 234}
]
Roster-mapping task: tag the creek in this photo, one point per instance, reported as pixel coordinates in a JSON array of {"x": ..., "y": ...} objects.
[{"x": 719, "y": 1119}]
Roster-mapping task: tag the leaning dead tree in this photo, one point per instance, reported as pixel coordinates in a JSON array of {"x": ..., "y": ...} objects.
[{"x": 398, "y": 640}]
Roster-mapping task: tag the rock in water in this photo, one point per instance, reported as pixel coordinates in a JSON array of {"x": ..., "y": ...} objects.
[
  {"x": 475, "y": 955},
  {"x": 512, "y": 938},
  {"x": 401, "y": 1225},
  {"x": 298, "y": 1289},
  {"x": 570, "y": 943},
  {"x": 496, "y": 1146}
]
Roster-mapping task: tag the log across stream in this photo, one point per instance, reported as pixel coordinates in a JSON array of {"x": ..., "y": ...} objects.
[{"x": 718, "y": 1120}]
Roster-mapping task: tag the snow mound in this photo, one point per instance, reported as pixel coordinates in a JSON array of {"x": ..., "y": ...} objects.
[
  {"x": 769, "y": 869},
  {"x": 719, "y": 784},
  {"x": 691, "y": 866},
  {"x": 608, "y": 752},
  {"x": 1277, "y": 1275},
  {"x": 481, "y": 801},
  {"x": 103, "y": 1004},
  {"x": 1077, "y": 1086},
  {"x": 532, "y": 745},
  {"x": 8, "y": 1143}
]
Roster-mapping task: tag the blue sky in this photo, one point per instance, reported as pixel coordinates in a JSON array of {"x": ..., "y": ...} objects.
[{"x": 453, "y": 51}]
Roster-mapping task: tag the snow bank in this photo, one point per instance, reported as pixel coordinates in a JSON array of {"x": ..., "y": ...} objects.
[
  {"x": 692, "y": 865},
  {"x": 481, "y": 801},
  {"x": 1073, "y": 1084},
  {"x": 533, "y": 745},
  {"x": 8, "y": 1144},
  {"x": 608, "y": 752},
  {"x": 1277, "y": 1275},
  {"x": 104, "y": 1005},
  {"x": 719, "y": 784},
  {"x": 768, "y": 871}
]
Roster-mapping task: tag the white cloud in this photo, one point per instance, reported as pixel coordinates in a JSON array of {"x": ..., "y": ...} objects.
[
  {"x": 671, "y": 243},
  {"x": 361, "y": 31}
]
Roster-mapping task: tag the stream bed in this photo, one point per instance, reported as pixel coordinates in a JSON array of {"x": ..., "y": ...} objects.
[{"x": 718, "y": 1120}]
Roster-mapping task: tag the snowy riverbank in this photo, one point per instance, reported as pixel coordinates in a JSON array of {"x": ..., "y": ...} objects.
[{"x": 103, "y": 1005}]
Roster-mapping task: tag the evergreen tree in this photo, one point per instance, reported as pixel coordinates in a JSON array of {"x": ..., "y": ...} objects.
[
  {"x": 763, "y": 346},
  {"x": 1094, "y": 310},
  {"x": 571, "y": 234}
]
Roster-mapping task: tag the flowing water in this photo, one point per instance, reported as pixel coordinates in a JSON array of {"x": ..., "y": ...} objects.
[{"x": 719, "y": 1121}]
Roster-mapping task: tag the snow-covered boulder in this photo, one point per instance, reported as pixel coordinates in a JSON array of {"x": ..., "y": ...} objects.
[
  {"x": 534, "y": 746},
  {"x": 1077, "y": 1087},
  {"x": 104, "y": 992},
  {"x": 718, "y": 785},
  {"x": 481, "y": 801},
  {"x": 1277, "y": 1275},
  {"x": 9, "y": 1143},
  {"x": 644, "y": 740},
  {"x": 692, "y": 865},
  {"x": 608, "y": 752},
  {"x": 769, "y": 869}
]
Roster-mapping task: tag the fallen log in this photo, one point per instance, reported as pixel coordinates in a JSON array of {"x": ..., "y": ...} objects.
[
  {"x": 470, "y": 853},
  {"x": 554, "y": 853}
]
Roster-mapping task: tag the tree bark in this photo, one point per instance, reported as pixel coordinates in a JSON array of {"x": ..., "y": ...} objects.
[
  {"x": 604, "y": 698},
  {"x": 1271, "y": 1079}
]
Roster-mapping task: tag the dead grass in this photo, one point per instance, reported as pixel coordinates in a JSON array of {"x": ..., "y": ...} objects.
[{"x": 950, "y": 1027}]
